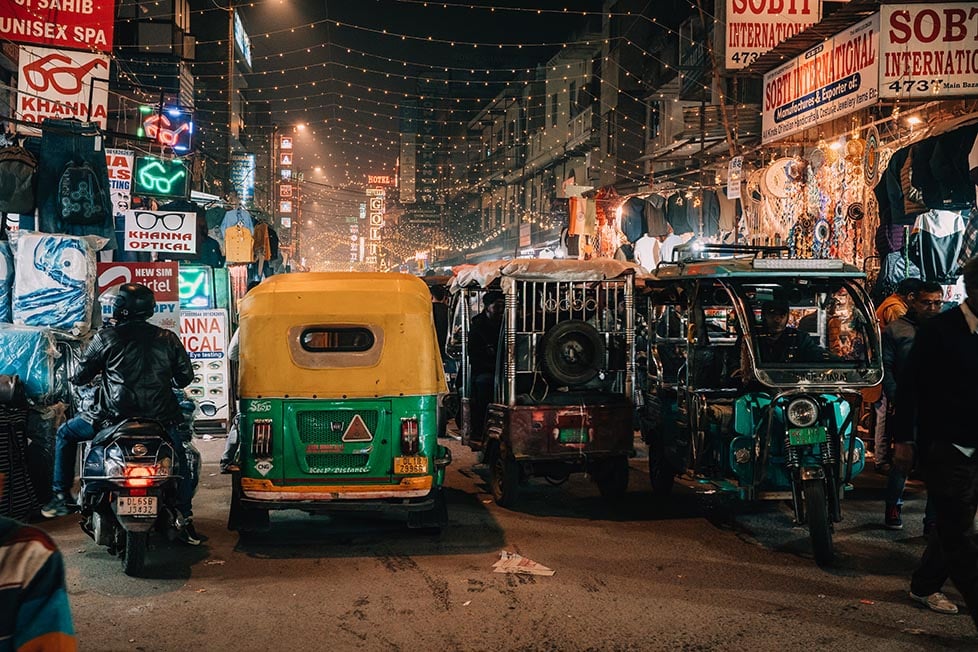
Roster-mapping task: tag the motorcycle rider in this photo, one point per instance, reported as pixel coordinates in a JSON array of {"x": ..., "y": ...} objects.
[{"x": 139, "y": 364}]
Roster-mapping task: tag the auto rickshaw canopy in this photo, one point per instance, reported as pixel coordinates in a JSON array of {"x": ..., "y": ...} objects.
[
  {"x": 535, "y": 269},
  {"x": 275, "y": 316}
]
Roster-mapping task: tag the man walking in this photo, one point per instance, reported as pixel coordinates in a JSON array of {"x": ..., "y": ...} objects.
[
  {"x": 937, "y": 395},
  {"x": 898, "y": 337}
]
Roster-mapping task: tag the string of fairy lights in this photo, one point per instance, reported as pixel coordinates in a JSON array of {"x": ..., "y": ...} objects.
[{"x": 361, "y": 105}]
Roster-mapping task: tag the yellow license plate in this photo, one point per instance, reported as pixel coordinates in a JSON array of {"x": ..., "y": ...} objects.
[{"x": 410, "y": 465}]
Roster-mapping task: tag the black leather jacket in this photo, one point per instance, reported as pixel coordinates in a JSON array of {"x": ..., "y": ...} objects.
[{"x": 140, "y": 364}]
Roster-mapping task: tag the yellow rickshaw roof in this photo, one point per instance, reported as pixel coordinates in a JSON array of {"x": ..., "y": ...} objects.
[{"x": 396, "y": 307}]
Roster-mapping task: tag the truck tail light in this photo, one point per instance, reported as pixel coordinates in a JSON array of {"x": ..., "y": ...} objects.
[{"x": 409, "y": 436}]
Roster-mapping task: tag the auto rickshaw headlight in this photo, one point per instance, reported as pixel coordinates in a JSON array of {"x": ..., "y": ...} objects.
[{"x": 802, "y": 412}]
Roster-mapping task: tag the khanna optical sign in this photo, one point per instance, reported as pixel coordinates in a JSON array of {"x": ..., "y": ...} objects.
[{"x": 161, "y": 231}]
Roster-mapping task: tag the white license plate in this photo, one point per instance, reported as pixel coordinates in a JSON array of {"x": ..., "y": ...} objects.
[
  {"x": 409, "y": 465},
  {"x": 135, "y": 506}
]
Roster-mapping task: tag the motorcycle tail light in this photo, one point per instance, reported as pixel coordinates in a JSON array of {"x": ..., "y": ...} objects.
[
  {"x": 139, "y": 476},
  {"x": 409, "y": 436},
  {"x": 261, "y": 438}
]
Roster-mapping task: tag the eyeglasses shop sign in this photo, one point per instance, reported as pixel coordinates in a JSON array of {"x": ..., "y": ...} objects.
[
  {"x": 204, "y": 335},
  {"x": 171, "y": 232}
]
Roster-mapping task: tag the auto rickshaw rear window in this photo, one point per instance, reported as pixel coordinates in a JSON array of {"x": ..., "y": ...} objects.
[{"x": 337, "y": 340}]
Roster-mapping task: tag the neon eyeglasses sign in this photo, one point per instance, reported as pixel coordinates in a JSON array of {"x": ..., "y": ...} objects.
[
  {"x": 160, "y": 178},
  {"x": 172, "y": 127}
]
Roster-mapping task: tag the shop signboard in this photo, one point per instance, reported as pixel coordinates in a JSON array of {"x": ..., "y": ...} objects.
[
  {"x": 59, "y": 84},
  {"x": 408, "y": 168},
  {"x": 120, "y": 162},
  {"x": 375, "y": 225},
  {"x": 243, "y": 177},
  {"x": 928, "y": 50},
  {"x": 161, "y": 278},
  {"x": 830, "y": 80},
  {"x": 172, "y": 232},
  {"x": 76, "y": 25},
  {"x": 158, "y": 177},
  {"x": 196, "y": 287},
  {"x": 204, "y": 334},
  {"x": 735, "y": 173},
  {"x": 756, "y": 26}
]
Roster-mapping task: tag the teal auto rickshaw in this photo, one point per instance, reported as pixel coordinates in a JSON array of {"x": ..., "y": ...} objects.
[{"x": 753, "y": 377}]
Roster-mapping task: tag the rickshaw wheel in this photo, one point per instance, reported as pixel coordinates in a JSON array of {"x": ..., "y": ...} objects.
[
  {"x": 819, "y": 527},
  {"x": 612, "y": 478},
  {"x": 661, "y": 474},
  {"x": 504, "y": 477}
]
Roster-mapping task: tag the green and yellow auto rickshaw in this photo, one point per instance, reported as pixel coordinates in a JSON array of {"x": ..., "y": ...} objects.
[{"x": 339, "y": 386}]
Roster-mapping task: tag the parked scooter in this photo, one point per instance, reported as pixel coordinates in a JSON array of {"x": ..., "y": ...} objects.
[{"x": 129, "y": 488}]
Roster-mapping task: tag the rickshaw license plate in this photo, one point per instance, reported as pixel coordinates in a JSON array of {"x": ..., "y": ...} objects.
[
  {"x": 409, "y": 465},
  {"x": 811, "y": 435},
  {"x": 135, "y": 506}
]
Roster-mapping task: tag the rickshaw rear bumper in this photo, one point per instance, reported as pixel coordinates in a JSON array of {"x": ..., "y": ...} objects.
[{"x": 410, "y": 494}]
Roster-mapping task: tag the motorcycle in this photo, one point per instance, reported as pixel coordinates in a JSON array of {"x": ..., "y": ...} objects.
[{"x": 129, "y": 488}]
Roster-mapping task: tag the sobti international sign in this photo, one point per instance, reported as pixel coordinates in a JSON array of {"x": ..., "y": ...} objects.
[
  {"x": 928, "y": 50},
  {"x": 756, "y": 26},
  {"x": 830, "y": 80}
]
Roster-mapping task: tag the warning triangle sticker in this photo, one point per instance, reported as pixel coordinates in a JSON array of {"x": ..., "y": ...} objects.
[{"x": 357, "y": 430}]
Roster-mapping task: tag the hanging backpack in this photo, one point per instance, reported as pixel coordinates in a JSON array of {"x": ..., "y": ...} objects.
[
  {"x": 80, "y": 197},
  {"x": 18, "y": 180}
]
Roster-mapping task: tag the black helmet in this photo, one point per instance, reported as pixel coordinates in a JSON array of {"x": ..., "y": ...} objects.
[{"x": 133, "y": 301}]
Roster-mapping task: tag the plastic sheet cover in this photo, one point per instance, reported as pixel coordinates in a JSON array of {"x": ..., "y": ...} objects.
[
  {"x": 6, "y": 281},
  {"x": 29, "y": 352},
  {"x": 54, "y": 280}
]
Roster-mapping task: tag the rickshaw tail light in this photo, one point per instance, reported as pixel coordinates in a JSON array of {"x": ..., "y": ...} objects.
[
  {"x": 409, "y": 436},
  {"x": 261, "y": 438}
]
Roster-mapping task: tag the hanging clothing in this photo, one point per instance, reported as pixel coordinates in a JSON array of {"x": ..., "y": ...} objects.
[
  {"x": 969, "y": 241},
  {"x": 633, "y": 218},
  {"x": 647, "y": 252},
  {"x": 590, "y": 217},
  {"x": 676, "y": 214},
  {"x": 938, "y": 236},
  {"x": 61, "y": 142},
  {"x": 655, "y": 216},
  {"x": 729, "y": 212}
]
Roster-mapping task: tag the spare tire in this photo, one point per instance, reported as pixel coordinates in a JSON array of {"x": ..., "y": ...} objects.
[{"x": 572, "y": 352}]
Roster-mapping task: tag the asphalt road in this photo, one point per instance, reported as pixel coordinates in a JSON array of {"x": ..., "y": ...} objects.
[{"x": 699, "y": 572}]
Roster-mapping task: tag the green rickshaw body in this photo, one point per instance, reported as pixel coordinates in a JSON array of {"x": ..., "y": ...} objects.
[{"x": 340, "y": 380}]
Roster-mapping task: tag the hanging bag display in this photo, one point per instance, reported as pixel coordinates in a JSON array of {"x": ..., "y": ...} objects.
[
  {"x": 238, "y": 243},
  {"x": 18, "y": 180}
]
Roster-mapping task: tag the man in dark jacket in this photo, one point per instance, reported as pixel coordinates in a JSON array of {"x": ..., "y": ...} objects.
[
  {"x": 922, "y": 304},
  {"x": 139, "y": 365},
  {"x": 935, "y": 419}
]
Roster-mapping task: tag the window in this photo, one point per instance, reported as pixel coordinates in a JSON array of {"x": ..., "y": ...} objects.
[
  {"x": 572, "y": 96},
  {"x": 344, "y": 339},
  {"x": 553, "y": 110}
]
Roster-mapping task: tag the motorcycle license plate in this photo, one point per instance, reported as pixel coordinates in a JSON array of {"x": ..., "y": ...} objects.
[
  {"x": 810, "y": 435},
  {"x": 409, "y": 465},
  {"x": 135, "y": 506}
]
